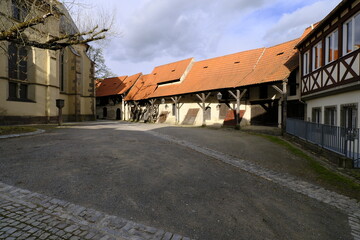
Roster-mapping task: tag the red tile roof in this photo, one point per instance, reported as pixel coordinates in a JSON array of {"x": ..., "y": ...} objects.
[
  {"x": 116, "y": 86},
  {"x": 147, "y": 84},
  {"x": 142, "y": 88},
  {"x": 236, "y": 70},
  {"x": 172, "y": 71},
  {"x": 215, "y": 73},
  {"x": 241, "y": 69},
  {"x": 275, "y": 64}
]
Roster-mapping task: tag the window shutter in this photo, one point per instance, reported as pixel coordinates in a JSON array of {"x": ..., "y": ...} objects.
[
  {"x": 23, "y": 63},
  {"x": 12, "y": 61}
]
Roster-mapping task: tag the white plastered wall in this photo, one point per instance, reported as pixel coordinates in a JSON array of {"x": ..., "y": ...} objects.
[{"x": 334, "y": 100}]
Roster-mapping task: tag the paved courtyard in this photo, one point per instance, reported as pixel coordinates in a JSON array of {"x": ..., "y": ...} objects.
[{"x": 113, "y": 180}]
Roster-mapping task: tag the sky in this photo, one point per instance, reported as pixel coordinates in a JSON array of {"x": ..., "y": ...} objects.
[{"x": 149, "y": 33}]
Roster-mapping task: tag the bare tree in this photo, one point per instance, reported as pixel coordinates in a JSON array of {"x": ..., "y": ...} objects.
[
  {"x": 31, "y": 23},
  {"x": 101, "y": 70}
]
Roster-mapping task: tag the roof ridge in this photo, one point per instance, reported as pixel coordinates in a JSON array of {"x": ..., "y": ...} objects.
[
  {"x": 296, "y": 39},
  {"x": 257, "y": 62}
]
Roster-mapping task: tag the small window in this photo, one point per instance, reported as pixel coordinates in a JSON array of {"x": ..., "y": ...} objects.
[
  {"x": 263, "y": 92},
  {"x": 331, "y": 47},
  {"x": 351, "y": 35},
  {"x": 306, "y": 64},
  {"x": 349, "y": 116},
  {"x": 317, "y": 56},
  {"x": 19, "y": 10},
  {"x": 17, "y": 62},
  {"x": 18, "y": 91},
  {"x": 13, "y": 90},
  {"x": 316, "y": 115},
  {"x": 330, "y": 115}
]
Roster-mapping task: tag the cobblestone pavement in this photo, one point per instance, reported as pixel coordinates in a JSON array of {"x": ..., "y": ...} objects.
[
  {"x": 343, "y": 203},
  {"x": 27, "y": 215}
]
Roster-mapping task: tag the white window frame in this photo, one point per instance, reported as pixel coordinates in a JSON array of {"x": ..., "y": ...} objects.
[
  {"x": 345, "y": 35},
  {"x": 332, "y": 48},
  {"x": 306, "y": 63},
  {"x": 317, "y": 51}
]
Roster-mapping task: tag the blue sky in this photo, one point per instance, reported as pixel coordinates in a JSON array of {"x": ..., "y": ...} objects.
[{"x": 156, "y": 32}]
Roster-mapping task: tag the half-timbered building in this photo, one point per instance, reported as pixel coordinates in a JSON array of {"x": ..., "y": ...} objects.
[{"x": 330, "y": 67}]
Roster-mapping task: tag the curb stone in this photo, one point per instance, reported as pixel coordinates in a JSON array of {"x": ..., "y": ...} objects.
[{"x": 39, "y": 131}]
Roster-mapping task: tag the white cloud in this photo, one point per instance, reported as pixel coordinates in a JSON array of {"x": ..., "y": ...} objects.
[
  {"x": 180, "y": 28},
  {"x": 292, "y": 25},
  {"x": 156, "y": 32}
]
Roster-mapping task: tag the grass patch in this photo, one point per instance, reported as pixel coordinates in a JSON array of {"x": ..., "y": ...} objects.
[
  {"x": 340, "y": 182},
  {"x": 7, "y": 130}
]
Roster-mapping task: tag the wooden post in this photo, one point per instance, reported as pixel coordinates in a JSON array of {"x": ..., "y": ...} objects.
[
  {"x": 152, "y": 102},
  {"x": 203, "y": 106},
  {"x": 284, "y": 106},
  {"x": 122, "y": 108},
  {"x": 238, "y": 97},
  {"x": 176, "y": 101},
  {"x": 283, "y": 92}
]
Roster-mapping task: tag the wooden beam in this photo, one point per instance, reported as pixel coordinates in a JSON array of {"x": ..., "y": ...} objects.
[
  {"x": 284, "y": 106},
  {"x": 238, "y": 97},
  {"x": 278, "y": 89}
]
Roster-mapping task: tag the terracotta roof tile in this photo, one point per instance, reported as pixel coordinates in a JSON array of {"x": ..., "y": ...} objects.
[
  {"x": 142, "y": 88},
  {"x": 246, "y": 68},
  {"x": 116, "y": 85},
  {"x": 275, "y": 64},
  {"x": 147, "y": 84},
  {"x": 172, "y": 71},
  {"x": 215, "y": 73}
]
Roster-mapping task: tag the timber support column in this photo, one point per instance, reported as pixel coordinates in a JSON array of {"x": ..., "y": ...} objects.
[
  {"x": 151, "y": 112},
  {"x": 203, "y": 106},
  {"x": 238, "y": 97},
  {"x": 284, "y": 105},
  {"x": 176, "y": 101},
  {"x": 283, "y": 93}
]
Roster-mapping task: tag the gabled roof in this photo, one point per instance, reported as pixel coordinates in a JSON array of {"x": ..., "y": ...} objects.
[
  {"x": 147, "y": 84},
  {"x": 116, "y": 85},
  {"x": 275, "y": 64},
  {"x": 171, "y": 72},
  {"x": 215, "y": 73},
  {"x": 241, "y": 69}
]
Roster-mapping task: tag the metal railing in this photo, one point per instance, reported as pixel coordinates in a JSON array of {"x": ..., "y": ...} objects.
[{"x": 344, "y": 141}]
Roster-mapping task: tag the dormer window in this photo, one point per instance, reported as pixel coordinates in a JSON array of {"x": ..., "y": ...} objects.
[
  {"x": 317, "y": 56},
  {"x": 351, "y": 34}
]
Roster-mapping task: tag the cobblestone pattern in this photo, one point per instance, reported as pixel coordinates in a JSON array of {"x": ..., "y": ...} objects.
[
  {"x": 27, "y": 215},
  {"x": 343, "y": 203}
]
